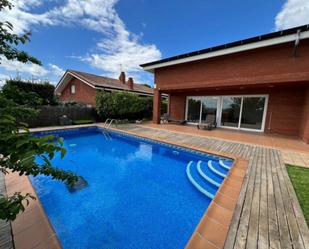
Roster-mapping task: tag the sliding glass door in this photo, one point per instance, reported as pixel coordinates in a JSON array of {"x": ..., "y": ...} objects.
[
  {"x": 230, "y": 111},
  {"x": 193, "y": 110},
  {"x": 243, "y": 112},
  {"x": 235, "y": 112},
  {"x": 198, "y": 108},
  {"x": 252, "y": 113},
  {"x": 209, "y": 107}
]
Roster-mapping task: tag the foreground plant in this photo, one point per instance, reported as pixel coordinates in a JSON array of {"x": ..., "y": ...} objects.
[
  {"x": 28, "y": 155},
  {"x": 19, "y": 150}
]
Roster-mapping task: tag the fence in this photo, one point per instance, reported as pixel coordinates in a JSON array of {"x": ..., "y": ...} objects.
[{"x": 50, "y": 115}]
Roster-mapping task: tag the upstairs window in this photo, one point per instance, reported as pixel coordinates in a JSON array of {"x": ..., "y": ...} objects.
[{"x": 72, "y": 89}]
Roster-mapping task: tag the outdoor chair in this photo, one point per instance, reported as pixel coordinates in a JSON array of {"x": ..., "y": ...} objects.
[
  {"x": 209, "y": 123},
  {"x": 165, "y": 118}
]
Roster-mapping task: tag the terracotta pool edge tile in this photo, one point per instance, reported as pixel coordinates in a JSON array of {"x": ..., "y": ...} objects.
[
  {"x": 198, "y": 241},
  {"x": 39, "y": 204},
  {"x": 213, "y": 202}
]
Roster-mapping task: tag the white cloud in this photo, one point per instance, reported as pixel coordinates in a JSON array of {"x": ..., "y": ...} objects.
[
  {"x": 118, "y": 48},
  {"x": 293, "y": 13},
  {"x": 19, "y": 67},
  {"x": 56, "y": 70},
  {"x": 22, "y": 18},
  {"x": 11, "y": 69},
  {"x": 3, "y": 78}
]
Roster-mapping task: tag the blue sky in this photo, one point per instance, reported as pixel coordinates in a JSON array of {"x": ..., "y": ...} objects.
[{"x": 103, "y": 36}]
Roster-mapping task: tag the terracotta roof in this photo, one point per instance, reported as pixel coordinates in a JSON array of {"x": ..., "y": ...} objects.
[{"x": 106, "y": 82}]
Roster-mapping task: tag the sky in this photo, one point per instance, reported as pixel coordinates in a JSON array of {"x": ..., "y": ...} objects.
[{"x": 106, "y": 36}]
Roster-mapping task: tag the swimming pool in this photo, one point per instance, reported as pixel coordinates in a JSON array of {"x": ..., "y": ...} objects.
[{"x": 140, "y": 193}]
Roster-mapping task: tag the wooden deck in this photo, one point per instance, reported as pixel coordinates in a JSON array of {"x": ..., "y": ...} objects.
[{"x": 267, "y": 214}]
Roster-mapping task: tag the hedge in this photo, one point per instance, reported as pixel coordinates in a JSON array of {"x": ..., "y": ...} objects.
[
  {"x": 43, "y": 90},
  {"x": 123, "y": 105}
]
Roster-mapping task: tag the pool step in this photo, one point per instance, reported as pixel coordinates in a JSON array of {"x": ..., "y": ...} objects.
[
  {"x": 226, "y": 164},
  {"x": 195, "y": 183},
  {"x": 205, "y": 176},
  {"x": 214, "y": 168}
]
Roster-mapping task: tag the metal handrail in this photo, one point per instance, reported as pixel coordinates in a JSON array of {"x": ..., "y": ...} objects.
[
  {"x": 105, "y": 123},
  {"x": 111, "y": 121}
]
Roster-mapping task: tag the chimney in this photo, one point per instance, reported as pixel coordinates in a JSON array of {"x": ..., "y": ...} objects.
[
  {"x": 122, "y": 77},
  {"x": 130, "y": 83}
]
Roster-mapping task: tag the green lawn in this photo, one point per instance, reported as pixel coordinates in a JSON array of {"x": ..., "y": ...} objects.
[{"x": 300, "y": 180}]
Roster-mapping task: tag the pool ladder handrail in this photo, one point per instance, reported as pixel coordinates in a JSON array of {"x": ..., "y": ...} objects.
[
  {"x": 105, "y": 123},
  {"x": 108, "y": 122}
]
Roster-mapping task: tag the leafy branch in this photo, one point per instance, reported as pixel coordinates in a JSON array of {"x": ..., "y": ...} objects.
[
  {"x": 20, "y": 151},
  {"x": 11, "y": 206}
]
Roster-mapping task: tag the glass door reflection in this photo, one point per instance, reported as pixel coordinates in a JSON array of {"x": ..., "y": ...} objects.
[
  {"x": 209, "y": 107},
  {"x": 230, "y": 111}
]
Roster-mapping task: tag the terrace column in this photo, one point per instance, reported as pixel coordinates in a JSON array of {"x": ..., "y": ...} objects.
[{"x": 156, "y": 106}]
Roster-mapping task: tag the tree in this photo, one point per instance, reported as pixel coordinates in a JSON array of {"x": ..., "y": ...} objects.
[
  {"x": 9, "y": 40},
  {"x": 19, "y": 150}
]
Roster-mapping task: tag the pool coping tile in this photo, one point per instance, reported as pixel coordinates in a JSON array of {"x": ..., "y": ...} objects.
[{"x": 33, "y": 221}]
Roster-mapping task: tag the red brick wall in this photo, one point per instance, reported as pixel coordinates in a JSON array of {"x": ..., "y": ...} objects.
[
  {"x": 265, "y": 65},
  {"x": 177, "y": 105},
  {"x": 83, "y": 93},
  {"x": 284, "y": 114},
  {"x": 304, "y": 129},
  {"x": 285, "y": 107},
  {"x": 156, "y": 106}
]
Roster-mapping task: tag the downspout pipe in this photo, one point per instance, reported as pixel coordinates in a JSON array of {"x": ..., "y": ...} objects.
[{"x": 296, "y": 45}]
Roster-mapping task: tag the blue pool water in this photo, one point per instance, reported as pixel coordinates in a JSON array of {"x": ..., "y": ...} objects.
[{"x": 141, "y": 193}]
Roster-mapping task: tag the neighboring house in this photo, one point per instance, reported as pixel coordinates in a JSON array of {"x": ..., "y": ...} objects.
[
  {"x": 82, "y": 87},
  {"x": 258, "y": 84}
]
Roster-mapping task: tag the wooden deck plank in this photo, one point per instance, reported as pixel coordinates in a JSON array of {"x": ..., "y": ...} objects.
[
  {"x": 284, "y": 234},
  {"x": 274, "y": 239},
  {"x": 242, "y": 232},
  {"x": 295, "y": 234},
  {"x": 253, "y": 226},
  {"x": 263, "y": 233}
]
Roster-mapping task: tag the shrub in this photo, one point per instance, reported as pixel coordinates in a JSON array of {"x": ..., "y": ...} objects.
[
  {"x": 39, "y": 93},
  {"x": 123, "y": 105}
]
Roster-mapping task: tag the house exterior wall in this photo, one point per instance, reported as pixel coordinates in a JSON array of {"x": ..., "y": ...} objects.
[
  {"x": 260, "y": 66},
  {"x": 275, "y": 71},
  {"x": 83, "y": 93},
  {"x": 304, "y": 129},
  {"x": 177, "y": 106},
  {"x": 284, "y": 111}
]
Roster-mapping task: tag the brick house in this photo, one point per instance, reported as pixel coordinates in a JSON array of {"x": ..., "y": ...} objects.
[
  {"x": 82, "y": 87},
  {"x": 259, "y": 84}
]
